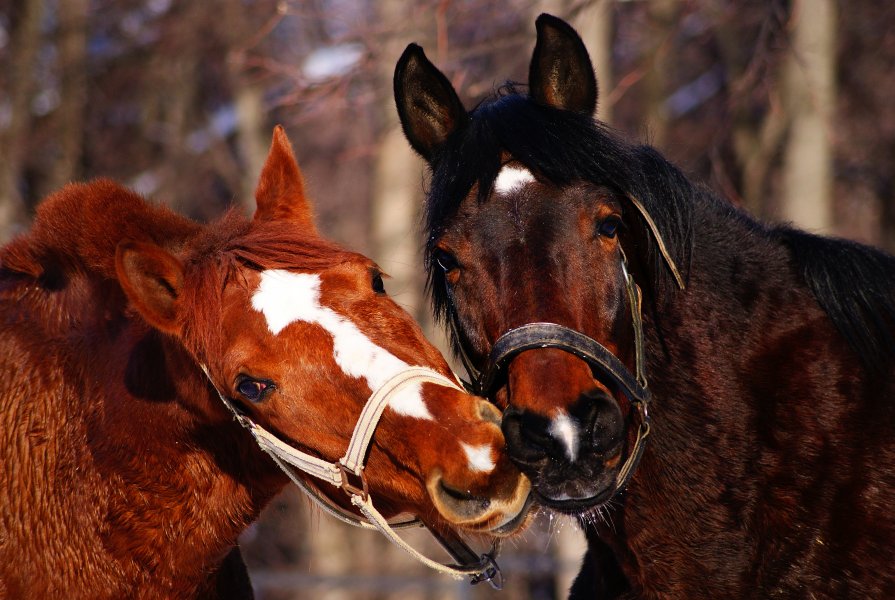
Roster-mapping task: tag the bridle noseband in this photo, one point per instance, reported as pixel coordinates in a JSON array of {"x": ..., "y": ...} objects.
[
  {"x": 348, "y": 475},
  {"x": 602, "y": 361}
]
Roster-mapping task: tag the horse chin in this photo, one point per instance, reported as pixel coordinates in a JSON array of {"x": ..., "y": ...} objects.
[
  {"x": 513, "y": 525},
  {"x": 495, "y": 516},
  {"x": 574, "y": 506},
  {"x": 575, "y": 495}
]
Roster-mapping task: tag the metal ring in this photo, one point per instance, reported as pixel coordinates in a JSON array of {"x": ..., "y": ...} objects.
[
  {"x": 353, "y": 490},
  {"x": 490, "y": 572}
]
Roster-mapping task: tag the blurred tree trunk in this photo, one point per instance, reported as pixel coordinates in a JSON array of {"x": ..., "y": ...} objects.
[
  {"x": 334, "y": 548},
  {"x": 172, "y": 101},
  {"x": 809, "y": 88},
  {"x": 252, "y": 133},
  {"x": 594, "y": 22},
  {"x": 23, "y": 50},
  {"x": 397, "y": 176},
  {"x": 663, "y": 19},
  {"x": 252, "y": 137},
  {"x": 69, "y": 116},
  {"x": 755, "y": 139}
]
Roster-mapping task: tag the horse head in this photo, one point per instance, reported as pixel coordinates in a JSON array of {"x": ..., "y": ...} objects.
[
  {"x": 296, "y": 333},
  {"x": 526, "y": 256}
]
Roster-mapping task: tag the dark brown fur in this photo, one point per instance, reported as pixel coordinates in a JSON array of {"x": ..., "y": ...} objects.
[{"x": 771, "y": 465}]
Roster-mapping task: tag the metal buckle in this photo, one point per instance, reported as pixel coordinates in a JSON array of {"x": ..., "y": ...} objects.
[
  {"x": 353, "y": 490},
  {"x": 643, "y": 410},
  {"x": 490, "y": 573}
]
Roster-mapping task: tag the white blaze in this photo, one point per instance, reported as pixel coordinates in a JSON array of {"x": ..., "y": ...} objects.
[
  {"x": 479, "y": 457},
  {"x": 512, "y": 178},
  {"x": 563, "y": 428},
  {"x": 284, "y": 297}
]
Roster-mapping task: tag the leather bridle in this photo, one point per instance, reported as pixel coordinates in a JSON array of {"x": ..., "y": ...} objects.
[
  {"x": 348, "y": 475},
  {"x": 605, "y": 365}
]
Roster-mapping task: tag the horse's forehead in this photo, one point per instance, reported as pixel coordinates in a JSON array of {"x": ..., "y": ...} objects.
[
  {"x": 520, "y": 211},
  {"x": 511, "y": 178},
  {"x": 284, "y": 298}
]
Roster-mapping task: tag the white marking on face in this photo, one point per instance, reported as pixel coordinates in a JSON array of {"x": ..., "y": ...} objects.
[
  {"x": 512, "y": 178},
  {"x": 479, "y": 457},
  {"x": 564, "y": 428},
  {"x": 284, "y": 297}
]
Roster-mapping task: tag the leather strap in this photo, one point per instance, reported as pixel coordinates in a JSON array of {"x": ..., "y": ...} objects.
[
  {"x": 550, "y": 335},
  {"x": 478, "y": 567},
  {"x": 533, "y": 336}
]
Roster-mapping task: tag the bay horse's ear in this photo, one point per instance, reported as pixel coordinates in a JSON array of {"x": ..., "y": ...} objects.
[
  {"x": 429, "y": 108},
  {"x": 561, "y": 74},
  {"x": 280, "y": 194},
  {"x": 152, "y": 280}
]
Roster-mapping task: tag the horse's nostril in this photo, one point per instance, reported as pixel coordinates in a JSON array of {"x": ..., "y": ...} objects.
[
  {"x": 527, "y": 440},
  {"x": 606, "y": 425}
]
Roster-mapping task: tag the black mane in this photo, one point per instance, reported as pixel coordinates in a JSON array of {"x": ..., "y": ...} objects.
[{"x": 852, "y": 283}]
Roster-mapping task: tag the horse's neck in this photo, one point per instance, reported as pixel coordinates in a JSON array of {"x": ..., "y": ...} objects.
[
  {"x": 742, "y": 298},
  {"x": 708, "y": 357},
  {"x": 120, "y": 452},
  {"x": 188, "y": 479}
]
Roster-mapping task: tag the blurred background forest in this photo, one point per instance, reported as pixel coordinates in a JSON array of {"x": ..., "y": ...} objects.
[{"x": 784, "y": 107}]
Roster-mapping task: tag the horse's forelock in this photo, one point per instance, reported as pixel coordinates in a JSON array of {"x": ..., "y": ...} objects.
[
  {"x": 562, "y": 147},
  {"x": 232, "y": 244}
]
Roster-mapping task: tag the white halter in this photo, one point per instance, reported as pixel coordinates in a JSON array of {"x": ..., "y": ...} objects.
[{"x": 481, "y": 568}]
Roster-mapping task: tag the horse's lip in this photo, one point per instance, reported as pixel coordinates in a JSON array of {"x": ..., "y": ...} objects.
[
  {"x": 513, "y": 524},
  {"x": 574, "y": 506}
]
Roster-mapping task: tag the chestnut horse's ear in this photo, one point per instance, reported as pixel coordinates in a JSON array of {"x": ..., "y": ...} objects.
[
  {"x": 561, "y": 74},
  {"x": 429, "y": 108},
  {"x": 280, "y": 194},
  {"x": 152, "y": 280}
]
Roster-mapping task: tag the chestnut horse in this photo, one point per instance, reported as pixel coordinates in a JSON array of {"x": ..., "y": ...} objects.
[
  {"x": 124, "y": 475},
  {"x": 769, "y": 419}
]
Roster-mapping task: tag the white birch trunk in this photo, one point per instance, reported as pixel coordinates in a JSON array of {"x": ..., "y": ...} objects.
[{"x": 809, "y": 86}]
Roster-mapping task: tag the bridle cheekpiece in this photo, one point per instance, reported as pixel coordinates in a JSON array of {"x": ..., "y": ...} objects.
[
  {"x": 348, "y": 475},
  {"x": 601, "y": 360}
]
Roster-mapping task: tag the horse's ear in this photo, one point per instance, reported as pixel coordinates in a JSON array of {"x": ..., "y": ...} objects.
[
  {"x": 561, "y": 74},
  {"x": 152, "y": 280},
  {"x": 429, "y": 108},
  {"x": 280, "y": 194}
]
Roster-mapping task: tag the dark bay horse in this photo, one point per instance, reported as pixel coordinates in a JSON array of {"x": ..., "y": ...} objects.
[
  {"x": 124, "y": 475},
  {"x": 769, "y": 418}
]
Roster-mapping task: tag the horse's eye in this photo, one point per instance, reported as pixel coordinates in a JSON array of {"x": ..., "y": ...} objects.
[
  {"x": 376, "y": 283},
  {"x": 609, "y": 227},
  {"x": 446, "y": 261},
  {"x": 253, "y": 390}
]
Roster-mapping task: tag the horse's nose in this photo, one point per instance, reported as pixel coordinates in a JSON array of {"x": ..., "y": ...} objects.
[
  {"x": 593, "y": 425},
  {"x": 605, "y": 423}
]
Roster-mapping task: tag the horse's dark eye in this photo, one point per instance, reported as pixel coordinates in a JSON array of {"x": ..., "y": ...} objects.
[
  {"x": 376, "y": 283},
  {"x": 446, "y": 261},
  {"x": 253, "y": 390},
  {"x": 609, "y": 227}
]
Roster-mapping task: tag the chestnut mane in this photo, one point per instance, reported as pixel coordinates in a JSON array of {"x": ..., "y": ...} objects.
[
  {"x": 77, "y": 229},
  {"x": 70, "y": 327}
]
